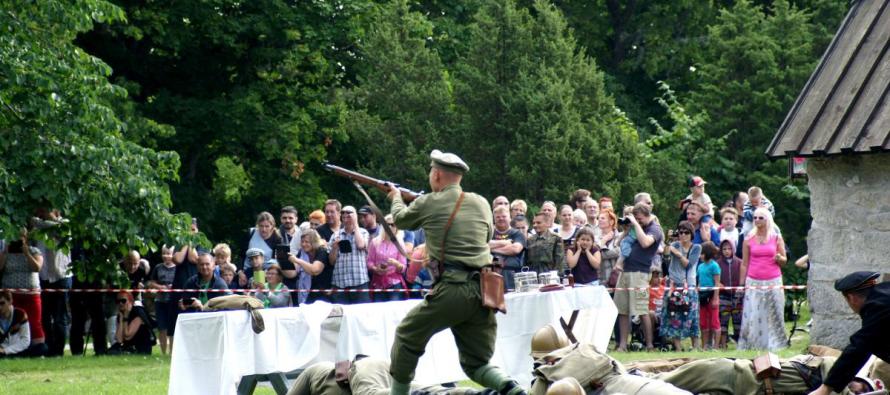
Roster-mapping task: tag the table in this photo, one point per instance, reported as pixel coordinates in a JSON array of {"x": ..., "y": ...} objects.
[{"x": 213, "y": 350}]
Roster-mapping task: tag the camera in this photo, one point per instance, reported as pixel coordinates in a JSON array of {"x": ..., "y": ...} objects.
[
  {"x": 623, "y": 221},
  {"x": 345, "y": 247}
]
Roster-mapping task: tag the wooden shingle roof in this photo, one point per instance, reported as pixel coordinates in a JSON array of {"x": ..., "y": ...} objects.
[{"x": 844, "y": 107}]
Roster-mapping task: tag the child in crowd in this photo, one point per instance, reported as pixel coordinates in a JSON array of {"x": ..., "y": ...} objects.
[
  {"x": 709, "y": 300},
  {"x": 584, "y": 258},
  {"x": 161, "y": 277},
  {"x": 729, "y": 217},
  {"x": 656, "y": 295},
  {"x": 730, "y": 300},
  {"x": 227, "y": 272},
  {"x": 417, "y": 276},
  {"x": 698, "y": 195}
]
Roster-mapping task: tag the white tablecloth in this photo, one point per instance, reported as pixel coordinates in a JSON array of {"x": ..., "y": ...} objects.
[{"x": 212, "y": 351}]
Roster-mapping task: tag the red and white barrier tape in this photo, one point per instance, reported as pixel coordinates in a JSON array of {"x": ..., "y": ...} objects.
[{"x": 338, "y": 290}]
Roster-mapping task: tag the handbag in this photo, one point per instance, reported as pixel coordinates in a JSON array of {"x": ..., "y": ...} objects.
[
  {"x": 492, "y": 289},
  {"x": 678, "y": 301}
]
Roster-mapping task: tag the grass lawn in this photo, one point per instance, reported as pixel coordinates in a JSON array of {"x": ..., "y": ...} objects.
[{"x": 149, "y": 375}]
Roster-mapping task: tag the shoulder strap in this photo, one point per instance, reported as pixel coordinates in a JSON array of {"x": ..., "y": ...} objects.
[{"x": 450, "y": 220}]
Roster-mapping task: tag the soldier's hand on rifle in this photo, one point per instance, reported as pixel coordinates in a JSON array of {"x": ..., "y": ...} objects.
[{"x": 393, "y": 191}]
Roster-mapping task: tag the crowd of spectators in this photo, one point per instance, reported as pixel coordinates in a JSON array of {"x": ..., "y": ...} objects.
[{"x": 343, "y": 255}]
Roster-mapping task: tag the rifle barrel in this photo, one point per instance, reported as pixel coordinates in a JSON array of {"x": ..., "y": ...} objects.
[{"x": 407, "y": 194}]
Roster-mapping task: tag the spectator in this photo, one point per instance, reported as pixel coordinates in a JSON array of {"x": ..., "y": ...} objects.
[
  {"x": 545, "y": 250},
  {"x": 206, "y": 281},
  {"x": 682, "y": 274},
  {"x": 136, "y": 271},
  {"x": 704, "y": 231},
  {"x": 368, "y": 220},
  {"x": 273, "y": 293},
  {"x": 222, "y": 255},
  {"x": 53, "y": 274},
  {"x": 264, "y": 237},
  {"x": 636, "y": 275},
  {"x": 229, "y": 273},
  {"x": 606, "y": 238},
  {"x": 418, "y": 276},
  {"x": 567, "y": 228},
  {"x": 386, "y": 264},
  {"x": 606, "y": 203},
  {"x": 134, "y": 333},
  {"x": 349, "y": 251},
  {"x": 314, "y": 261},
  {"x": 332, "y": 216},
  {"x": 697, "y": 194},
  {"x": 258, "y": 263},
  {"x": 290, "y": 232},
  {"x": 729, "y": 218},
  {"x": 86, "y": 307},
  {"x": 20, "y": 263},
  {"x": 645, "y": 198},
  {"x": 656, "y": 295},
  {"x": 186, "y": 261},
  {"x": 161, "y": 278},
  {"x": 591, "y": 209},
  {"x": 584, "y": 258},
  {"x": 500, "y": 201},
  {"x": 316, "y": 219},
  {"x": 756, "y": 200},
  {"x": 549, "y": 209},
  {"x": 520, "y": 223},
  {"x": 517, "y": 208},
  {"x": 763, "y": 254},
  {"x": 15, "y": 332},
  {"x": 739, "y": 200},
  {"x": 507, "y": 245},
  {"x": 730, "y": 301},
  {"x": 579, "y": 198},
  {"x": 579, "y": 218},
  {"x": 709, "y": 300}
]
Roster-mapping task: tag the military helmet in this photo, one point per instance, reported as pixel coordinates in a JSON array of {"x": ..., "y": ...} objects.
[
  {"x": 566, "y": 386},
  {"x": 548, "y": 339}
]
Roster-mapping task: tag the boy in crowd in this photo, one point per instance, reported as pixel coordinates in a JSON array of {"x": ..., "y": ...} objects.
[{"x": 729, "y": 217}]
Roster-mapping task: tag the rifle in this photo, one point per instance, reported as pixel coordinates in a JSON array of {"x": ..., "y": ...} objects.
[{"x": 407, "y": 195}]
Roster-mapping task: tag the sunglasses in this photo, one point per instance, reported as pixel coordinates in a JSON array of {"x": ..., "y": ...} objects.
[
  {"x": 759, "y": 217},
  {"x": 121, "y": 301},
  {"x": 684, "y": 232},
  {"x": 347, "y": 212},
  {"x": 390, "y": 224}
]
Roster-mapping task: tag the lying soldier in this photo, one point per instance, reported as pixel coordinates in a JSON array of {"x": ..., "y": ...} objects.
[{"x": 366, "y": 376}]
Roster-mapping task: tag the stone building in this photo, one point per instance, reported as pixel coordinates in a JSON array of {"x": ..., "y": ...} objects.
[{"x": 841, "y": 123}]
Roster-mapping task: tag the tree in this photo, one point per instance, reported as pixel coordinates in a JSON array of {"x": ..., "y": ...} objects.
[
  {"x": 536, "y": 120},
  {"x": 251, "y": 89},
  {"x": 65, "y": 145}
]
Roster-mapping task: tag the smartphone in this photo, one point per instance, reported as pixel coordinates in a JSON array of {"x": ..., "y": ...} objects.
[
  {"x": 16, "y": 247},
  {"x": 281, "y": 252},
  {"x": 188, "y": 301},
  {"x": 345, "y": 246}
]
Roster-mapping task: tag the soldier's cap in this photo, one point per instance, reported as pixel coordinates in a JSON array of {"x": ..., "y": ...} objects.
[
  {"x": 856, "y": 281},
  {"x": 252, "y": 252},
  {"x": 448, "y": 161},
  {"x": 365, "y": 210}
]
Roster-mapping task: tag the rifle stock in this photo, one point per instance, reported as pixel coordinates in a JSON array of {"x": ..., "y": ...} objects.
[{"x": 407, "y": 194}]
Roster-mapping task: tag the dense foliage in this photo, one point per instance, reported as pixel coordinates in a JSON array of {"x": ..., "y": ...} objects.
[{"x": 540, "y": 97}]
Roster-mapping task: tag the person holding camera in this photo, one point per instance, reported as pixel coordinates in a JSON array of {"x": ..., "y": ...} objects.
[
  {"x": 349, "y": 252},
  {"x": 20, "y": 263},
  {"x": 202, "y": 283},
  {"x": 632, "y": 295}
]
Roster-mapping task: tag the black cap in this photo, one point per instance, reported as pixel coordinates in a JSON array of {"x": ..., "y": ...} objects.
[
  {"x": 365, "y": 210},
  {"x": 856, "y": 281}
]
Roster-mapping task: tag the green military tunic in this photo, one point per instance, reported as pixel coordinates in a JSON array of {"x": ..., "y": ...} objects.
[
  {"x": 737, "y": 376},
  {"x": 455, "y": 301},
  {"x": 597, "y": 373},
  {"x": 545, "y": 253},
  {"x": 317, "y": 379}
]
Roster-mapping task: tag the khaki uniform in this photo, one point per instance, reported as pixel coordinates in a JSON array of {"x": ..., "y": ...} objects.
[
  {"x": 455, "y": 301},
  {"x": 737, "y": 376},
  {"x": 317, "y": 379},
  {"x": 597, "y": 372}
]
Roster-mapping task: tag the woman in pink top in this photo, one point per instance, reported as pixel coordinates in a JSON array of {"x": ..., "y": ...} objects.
[
  {"x": 386, "y": 264},
  {"x": 763, "y": 254}
]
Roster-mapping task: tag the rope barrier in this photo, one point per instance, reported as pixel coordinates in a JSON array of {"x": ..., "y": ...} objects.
[{"x": 340, "y": 290}]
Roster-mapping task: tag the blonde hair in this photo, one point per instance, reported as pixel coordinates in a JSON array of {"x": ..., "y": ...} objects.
[
  {"x": 222, "y": 249},
  {"x": 311, "y": 235},
  {"x": 227, "y": 267},
  {"x": 579, "y": 215},
  {"x": 519, "y": 204},
  {"x": 399, "y": 234},
  {"x": 771, "y": 228},
  {"x": 265, "y": 216},
  {"x": 501, "y": 210}
]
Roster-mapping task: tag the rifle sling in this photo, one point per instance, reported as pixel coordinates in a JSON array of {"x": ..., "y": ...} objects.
[{"x": 381, "y": 221}]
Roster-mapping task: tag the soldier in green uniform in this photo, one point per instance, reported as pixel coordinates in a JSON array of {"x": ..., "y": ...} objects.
[
  {"x": 544, "y": 249},
  {"x": 455, "y": 301},
  {"x": 366, "y": 376}
]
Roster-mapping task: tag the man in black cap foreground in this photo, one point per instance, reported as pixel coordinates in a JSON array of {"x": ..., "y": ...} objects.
[{"x": 872, "y": 302}]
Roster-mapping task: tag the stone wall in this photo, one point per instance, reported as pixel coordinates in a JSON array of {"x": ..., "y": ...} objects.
[{"x": 850, "y": 205}]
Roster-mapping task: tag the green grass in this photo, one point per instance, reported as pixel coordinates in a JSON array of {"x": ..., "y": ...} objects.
[{"x": 148, "y": 375}]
